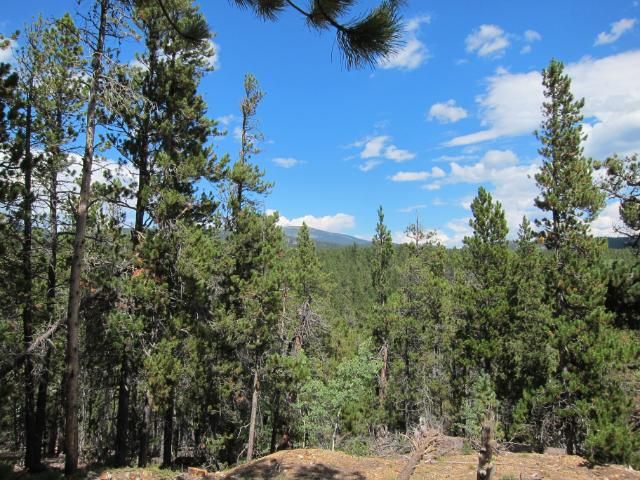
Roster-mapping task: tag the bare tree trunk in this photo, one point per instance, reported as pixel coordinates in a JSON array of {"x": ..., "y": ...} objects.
[
  {"x": 122, "y": 421},
  {"x": 168, "y": 432},
  {"x": 486, "y": 469},
  {"x": 75, "y": 294},
  {"x": 32, "y": 452},
  {"x": 275, "y": 420},
  {"x": 384, "y": 353},
  {"x": 41, "y": 412},
  {"x": 143, "y": 454},
  {"x": 41, "y": 402},
  {"x": 254, "y": 412}
]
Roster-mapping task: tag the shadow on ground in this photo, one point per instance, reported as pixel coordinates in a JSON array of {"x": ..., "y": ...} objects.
[{"x": 269, "y": 468}]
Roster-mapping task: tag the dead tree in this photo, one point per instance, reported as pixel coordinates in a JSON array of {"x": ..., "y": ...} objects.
[
  {"x": 486, "y": 468},
  {"x": 425, "y": 442}
]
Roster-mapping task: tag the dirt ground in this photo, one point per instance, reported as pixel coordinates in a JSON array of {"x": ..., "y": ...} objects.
[
  {"x": 323, "y": 464},
  {"x": 327, "y": 465}
]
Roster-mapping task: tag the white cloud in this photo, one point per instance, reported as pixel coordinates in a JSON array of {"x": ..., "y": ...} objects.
[
  {"x": 459, "y": 228},
  {"x": 412, "y": 208},
  {"x": 373, "y": 147},
  {"x": 6, "y": 54},
  {"x": 214, "y": 59},
  {"x": 487, "y": 40},
  {"x": 137, "y": 63},
  {"x": 447, "y": 112},
  {"x": 606, "y": 223},
  {"x": 337, "y": 223},
  {"x": 513, "y": 185},
  {"x": 398, "y": 155},
  {"x": 379, "y": 147},
  {"x": 431, "y": 186},
  {"x": 531, "y": 36},
  {"x": 511, "y": 104},
  {"x": 410, "y": 176},
  {"x": 286, "y": 162},
  {"x": 369, "y": 165},
  {"x": 414, "y": 52},
  {"x": 436, "y": 172},
  {"x": 617, "y": 30},
  {"x": 226, "y": 119},
  {"x": 237, "y": 134}
]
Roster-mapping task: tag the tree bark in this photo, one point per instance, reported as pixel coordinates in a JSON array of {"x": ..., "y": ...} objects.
[
  {"x": 275, "y": 421},
  {"x": 167, "y": 458},
  {"x": 41, "y": 403},
  {"x": 254, "y": 412},
  {"x": 43, "y": 387},
  {"x": 32, "y": 450},
  {"x": 143, "y": 453},
  {"x": 75, "y": 294},
  {"x": 384, "y": 353},
  {"x": 486, "y": 469},
  {"x": 122, "y": 421}
]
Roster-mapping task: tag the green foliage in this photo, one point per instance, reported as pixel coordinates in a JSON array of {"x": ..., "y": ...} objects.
[
  {"x": 590, "y": 352},
  {"x": 363, "y": 41},
  {"x": 482, "y": 400},
  {"x": 329, "y": 405}
]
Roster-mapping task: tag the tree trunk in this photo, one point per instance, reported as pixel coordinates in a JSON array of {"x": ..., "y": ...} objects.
[
  {"x": 275, "y": 421},
  {"x": 254, "y": 412},
  {"x": 486, "y": 469},
  {"x": 168, "y": 432},
  {"x": 143, "y": 454},
  {"x": 32, "y": 450},
  {"x": 122, "y": 421},
  {"x": 41, "y": 412},
  {"x": 41, "y": 403},
  {"x": 73, "y": 310},
  {"x": 384, "y": 353}
]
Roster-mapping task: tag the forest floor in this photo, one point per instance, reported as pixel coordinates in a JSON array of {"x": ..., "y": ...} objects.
[{"x": 324, "y": 464}]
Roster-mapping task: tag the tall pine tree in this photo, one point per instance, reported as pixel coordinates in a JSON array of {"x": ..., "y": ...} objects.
[{"x": 590, "y": 353}]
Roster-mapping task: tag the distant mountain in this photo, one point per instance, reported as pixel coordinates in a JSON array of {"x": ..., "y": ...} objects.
[{"x": 324, "y": 239}]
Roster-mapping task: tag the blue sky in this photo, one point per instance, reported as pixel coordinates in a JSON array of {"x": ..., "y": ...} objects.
[{"x": 453, "y": 110}]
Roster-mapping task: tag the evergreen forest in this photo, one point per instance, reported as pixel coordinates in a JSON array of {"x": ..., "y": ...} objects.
[{"x": 153, "y": 313}]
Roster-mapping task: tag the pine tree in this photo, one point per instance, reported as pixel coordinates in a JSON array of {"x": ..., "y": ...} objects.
[
  {"x": 380, "y": 278},
  {"x": 252, "y": 284},
  {"x": 364, "y": 41},
  {"x": 487, "y": 259},
  {"x": 58, "y": 98},
  {"x": 590, "y": 353},
  {"x": 421, "y": 331}
]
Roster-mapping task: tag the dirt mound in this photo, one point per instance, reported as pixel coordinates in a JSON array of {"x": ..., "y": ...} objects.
[{"x": 323, "y": 464}]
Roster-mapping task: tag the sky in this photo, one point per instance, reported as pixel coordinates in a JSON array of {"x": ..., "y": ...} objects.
[{"x": 454, "y": 109}]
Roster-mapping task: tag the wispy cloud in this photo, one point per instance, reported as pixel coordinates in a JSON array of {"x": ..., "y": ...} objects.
[
  {"x": 530, "y": 36},
  {"x": 412, "y": 208},
  {"x": 511, "y": 104},
  {"x": 286, "y": 162},
  {"x": 369, "y": 165},
  {"x": 214, "y": 58},
  {"x": 6, "y": 54},
  {"x": 615, "y": 32},
  {"x": 338, "y": 223},
  {"x": 379, "y": 147},
  {"x": 414, "y": 52},
  {"x": 487, "y": 41},
  {"x": 436, "y": 172},
  {"x": 447, "y": 112}
]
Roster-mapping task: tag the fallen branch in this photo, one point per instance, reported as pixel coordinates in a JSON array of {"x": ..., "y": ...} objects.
[
  {"x": 19, "y": 359},
  {"x": 425, "y": 441}
]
